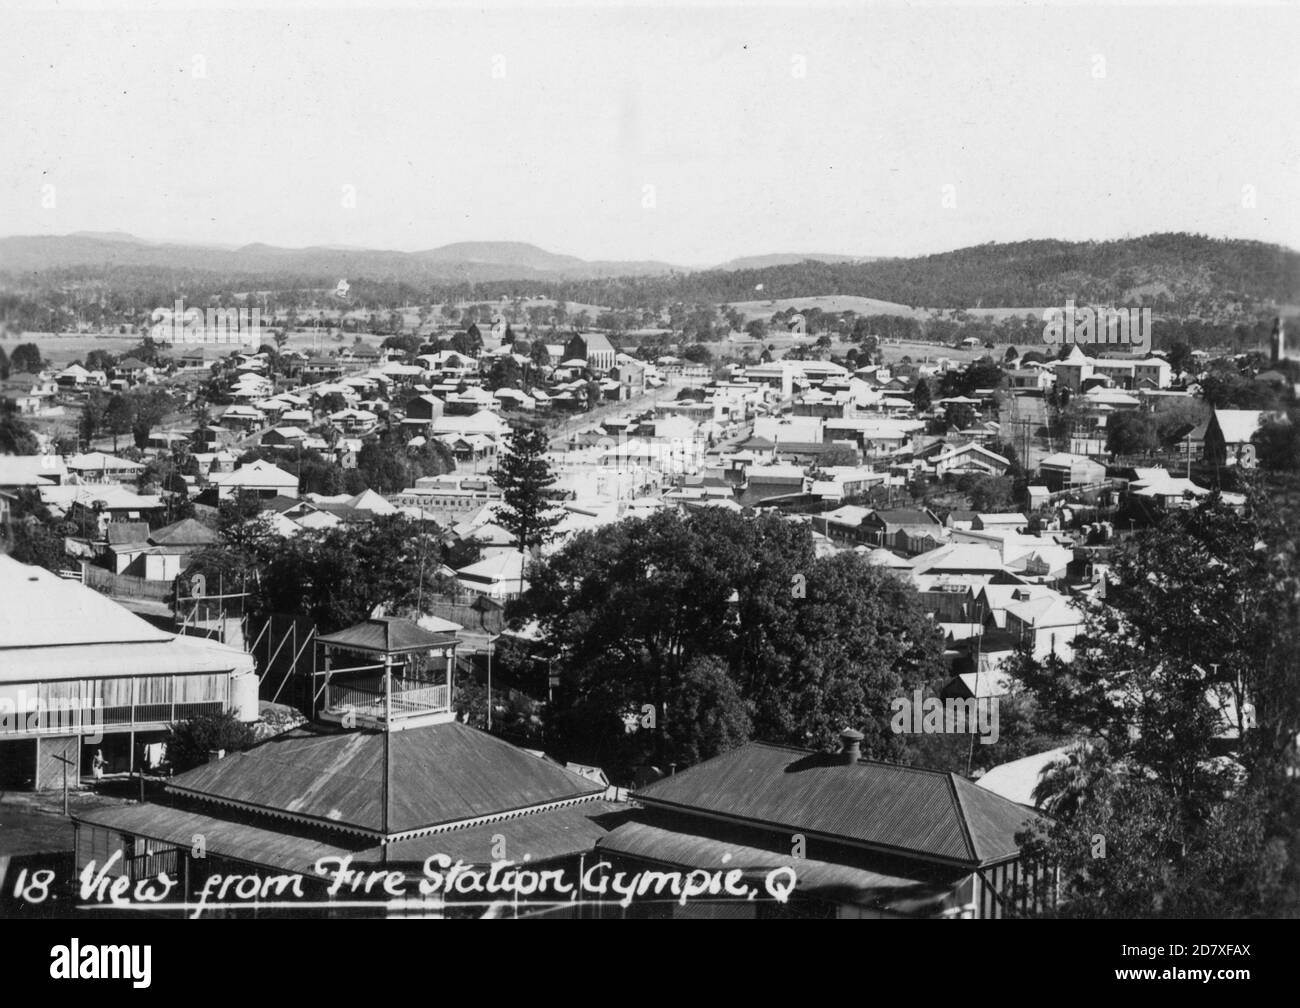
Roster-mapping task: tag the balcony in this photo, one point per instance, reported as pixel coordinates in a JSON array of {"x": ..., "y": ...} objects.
[{"x": 362, "y": 705}]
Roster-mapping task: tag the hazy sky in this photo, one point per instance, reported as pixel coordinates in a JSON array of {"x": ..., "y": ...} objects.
[{"x": 688, "y": 133}]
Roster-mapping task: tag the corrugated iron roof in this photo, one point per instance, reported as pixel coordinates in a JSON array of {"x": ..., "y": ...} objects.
[
  {"x": 438, "y": 774},
  {"x": 123, "y": 533},
  {"x": 385, "y": 634},
  {"x": 186, "y": 532},
  {"x": 922, "y": 813},
  {"x": 925, "y": 893}
]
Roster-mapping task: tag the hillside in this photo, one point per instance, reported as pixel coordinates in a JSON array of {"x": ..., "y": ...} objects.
[
  {"x": 1180, "y": 273},
  {"x": 785, "y": 259},
  {"x": 1187, "y": 275}
]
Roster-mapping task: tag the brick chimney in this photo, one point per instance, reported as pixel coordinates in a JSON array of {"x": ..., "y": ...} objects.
[{"x": 851, "y": 745}]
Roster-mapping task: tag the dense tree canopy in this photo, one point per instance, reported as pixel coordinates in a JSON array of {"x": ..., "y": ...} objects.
[{"x": 727, "y": 613}]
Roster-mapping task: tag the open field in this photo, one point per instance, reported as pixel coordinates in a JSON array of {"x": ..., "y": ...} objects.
[
  {"x": 870, "y": 306},
  {"x": 64, "y": 348}
]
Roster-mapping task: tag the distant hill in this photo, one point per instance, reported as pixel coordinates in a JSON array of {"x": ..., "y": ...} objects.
[
  {"x": 1211, "y": 278},
  {"x": 786, "y": 259},
  {"x": 462, "y": 261},
  {"x": 1185, "y": 274}
]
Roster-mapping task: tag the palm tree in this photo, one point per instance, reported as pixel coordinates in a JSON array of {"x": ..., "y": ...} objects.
[{"x": 1063, "y": 784}]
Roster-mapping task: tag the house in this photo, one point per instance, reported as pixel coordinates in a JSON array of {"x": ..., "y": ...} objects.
[
  {"x": 171, "y": 547},
  {"x": 1230, "y": 436},
  {"x": 242, "y": 418},
  {"x": 99, "y": 467},
  {"x": 84, "y": 668},
  {"x": 1047, "y": 624},
  {"x": 28, "y": 472},
  {"x": 873, "y": 436},
  {"x": 874, "y": 840},
  {"x": 99, "y": 504},
  {"x": 257, "y": 478},
  {"x": 132, "y": 369},
  {"x": 196, "y": 358},
  {"x": 360, "y": 353},
  {"x": 882, "y": 528},
  {"x": 125, "y": 541},
  {"x": 30, "y": 393},
  {"x": 354, "y": 421},
  {"x": 498, "y": 577},
  {"x": 73, "y": 376},
  {"x": 284, "y": 437},
  {"x": 318, "y": 369},
  {"x": 423, "y": 408},
  {"x": 968, "y": 458}
]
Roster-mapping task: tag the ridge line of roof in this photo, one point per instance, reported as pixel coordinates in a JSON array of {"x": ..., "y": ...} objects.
[{"x": 962, "y": 817}]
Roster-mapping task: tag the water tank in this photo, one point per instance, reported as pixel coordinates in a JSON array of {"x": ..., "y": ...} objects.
[{"x": 243, "y": 695}]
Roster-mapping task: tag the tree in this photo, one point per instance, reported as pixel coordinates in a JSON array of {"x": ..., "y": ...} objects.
[
  {"x": 26, "y": 357},
  {"x": 838, "y": 455},
  {"x": 28, "y": 535},
  {"x": 921, "y": 396},
  {"x": 1179, "y": 356},
  {"x": 190, "y": 742},
  {"x": 525, "y": 477},
  {"x": 4, "y": 365},
  {"x": 541, "y": 357},
  {"x": 16, "y": 437},
  {"x": 93, "y": 415},
  {"x": 959, "y": 416},
  {"x": 651, "y": 613},
  {"x": 119, "y": 416},
  {"x": 333, "y": 577},
  {"x": 1279, "y": 445},
  {"x": 988, "y": 494},
  {"x": 505, "y": 373},
  {"x": 1193, "y": 634},
  {"x": 1131, "y": 433},
  {"x": 149, "y": 409}
]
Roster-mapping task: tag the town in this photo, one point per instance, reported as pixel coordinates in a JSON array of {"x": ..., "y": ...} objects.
[
  {"x": 387, "y": 555},
  {"x": 647, "y": 461}
]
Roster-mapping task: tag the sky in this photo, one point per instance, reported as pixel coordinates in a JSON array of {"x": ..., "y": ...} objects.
[{"x": 688, "y": 133}]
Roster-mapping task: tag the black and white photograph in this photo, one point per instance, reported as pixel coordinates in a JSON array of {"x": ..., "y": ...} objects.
[{"x": 649, "y": 460}]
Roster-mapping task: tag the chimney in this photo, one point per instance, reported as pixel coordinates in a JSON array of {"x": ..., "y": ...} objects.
[
  {"x": 216, "y": 754},
  {"x": 851, "y": 745}
]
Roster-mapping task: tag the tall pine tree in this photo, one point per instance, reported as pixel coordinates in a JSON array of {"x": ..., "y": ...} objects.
[{"x": 525, "y": 478}]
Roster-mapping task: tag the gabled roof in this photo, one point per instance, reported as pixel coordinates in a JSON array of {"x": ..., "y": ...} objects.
[
  {"x": 126, "y": 533},
  {"x": 929, "y": 814},
  {"x": 186, "y": 532},
  {"x": 437, "y": 775},
  {"x": 905, "y": 516},
  {"x": 1238, "y": 426}
]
